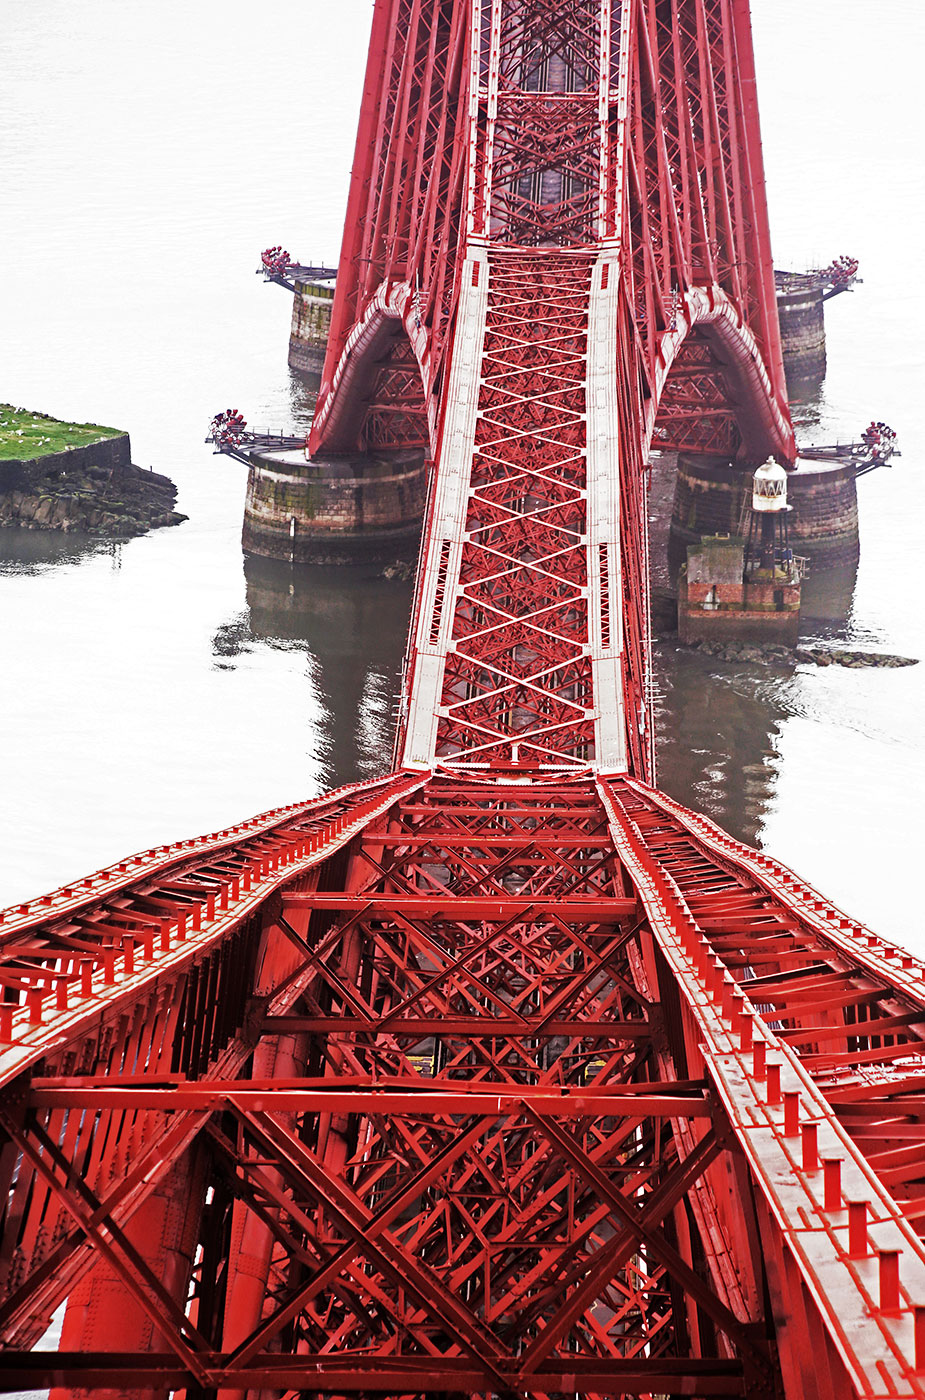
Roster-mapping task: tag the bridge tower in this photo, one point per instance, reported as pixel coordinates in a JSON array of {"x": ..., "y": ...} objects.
[{"x": 504, "y": 1074}]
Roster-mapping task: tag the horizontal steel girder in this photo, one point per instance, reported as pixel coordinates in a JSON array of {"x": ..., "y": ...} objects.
[
  {"x": 561, "y": 1020},
  {"x": 215, "y": 1097},
  {"x": 326, "y": 1374}
]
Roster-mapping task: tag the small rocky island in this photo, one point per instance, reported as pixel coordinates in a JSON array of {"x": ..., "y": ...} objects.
[{"x": 77, "y": 476}]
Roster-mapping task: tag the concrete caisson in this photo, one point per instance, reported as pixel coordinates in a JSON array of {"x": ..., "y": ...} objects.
[
  {"x": 338, "y": 510},
  {"x": 711, "y": 497},
  {"x": 824, "y": 521}
]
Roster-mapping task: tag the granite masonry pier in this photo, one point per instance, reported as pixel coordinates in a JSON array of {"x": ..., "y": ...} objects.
[
  {"x": 713, "y": 497},
  {"x": 801, "y": 312},
  {"x": 311, "y": 321},
  {"x": 93, "y": 487},
  {"x": 334, "y": 511}
]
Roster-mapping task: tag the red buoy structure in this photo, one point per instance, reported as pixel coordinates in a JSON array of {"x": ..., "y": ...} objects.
[{"x": 505, "y": 1074}]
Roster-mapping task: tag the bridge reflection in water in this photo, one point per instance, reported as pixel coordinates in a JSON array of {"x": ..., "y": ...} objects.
[
  {"x": 717, "y": 723},
  {"x": 352, "y": 624}
]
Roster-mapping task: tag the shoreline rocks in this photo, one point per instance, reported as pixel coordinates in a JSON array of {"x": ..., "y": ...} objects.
[
  {"x": 402, "y": 569},
  {"x": 800, "y": 655},
  {"x": 95, "y": 489}
]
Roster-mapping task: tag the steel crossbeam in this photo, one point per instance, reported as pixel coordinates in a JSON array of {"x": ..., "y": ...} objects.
[
  {"x": 515, "y": 1130},
  {"x": 503, "y": 1075}
]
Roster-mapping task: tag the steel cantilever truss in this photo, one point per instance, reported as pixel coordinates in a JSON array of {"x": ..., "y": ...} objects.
[
  {"x": 470, "y": 1086},
  {"x": 505, "y": 1074}
]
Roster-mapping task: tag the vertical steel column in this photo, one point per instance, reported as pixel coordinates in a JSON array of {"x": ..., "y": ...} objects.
[{"x": 100, "y": 1315}]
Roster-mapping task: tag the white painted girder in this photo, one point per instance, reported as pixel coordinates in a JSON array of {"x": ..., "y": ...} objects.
[
  {"x": 448, "y": 520},
  {"x": 603, "y": 517}
]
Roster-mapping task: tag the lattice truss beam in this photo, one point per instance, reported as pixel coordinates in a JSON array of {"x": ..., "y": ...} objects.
[
  {"x": 695, "y": 414},
  {"x": 518, "y": 677},
  {"x": 694, "y": 213},
  {"x": 492, "y": 1119},
  {"x": 403, "y": 226},
  {"x": 395, "y": 415},
  {"x": 516, "y": 1079},
  {"x": 614, "y": 292},
  {"x": 560, "y": 123}
]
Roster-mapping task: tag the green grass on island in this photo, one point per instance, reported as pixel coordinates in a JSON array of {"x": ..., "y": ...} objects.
[{"x": 24, "y": 434}]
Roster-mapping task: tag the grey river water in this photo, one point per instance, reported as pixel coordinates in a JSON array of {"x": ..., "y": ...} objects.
[{"x": 158, "y": 688}]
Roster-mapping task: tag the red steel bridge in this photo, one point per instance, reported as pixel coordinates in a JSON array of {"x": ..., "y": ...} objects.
[{"x": 503, "y": 1075}]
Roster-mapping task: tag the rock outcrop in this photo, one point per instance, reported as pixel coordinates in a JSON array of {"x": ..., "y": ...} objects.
[{"x": 95, "y": 489}]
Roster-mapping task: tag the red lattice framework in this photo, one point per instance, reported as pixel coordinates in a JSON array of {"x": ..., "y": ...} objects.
[
  {"x": 402, "y": 230},
  {"x": 612, "y": 151},
  {"x": 481, "y": 1087},
  {"x": 536, "y": 173},
  {"x": 517, "y": 683},
  {"x": 571, "y": 121},
  {"x": 502, "y": 1075},
  {"x": 695, "y": 218}
]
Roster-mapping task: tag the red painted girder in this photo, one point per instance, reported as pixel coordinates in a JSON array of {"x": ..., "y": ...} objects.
[
  {"x": 435, "y": 1095},
  {"x": 430, "y": 1098},
  {"x": 473, "y": 1027},
  {"x": 70, "y": 899},
  {"x": 450, "y": 793},
  {"x": 327, "y": 1374},
  {"x": 61, "y": 1009},
  {"x": 691, "y": 165},
  {"x": 844, "y": 935},
  {"x": 485, "y": 840},
  {"x": 868, "y": 1336},
  {"x": 631, "y": 1090},
  {"x": 463, "y": 907}
]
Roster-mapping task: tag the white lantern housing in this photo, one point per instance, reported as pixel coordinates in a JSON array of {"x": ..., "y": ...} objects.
[{"x": 769, "y": 488}]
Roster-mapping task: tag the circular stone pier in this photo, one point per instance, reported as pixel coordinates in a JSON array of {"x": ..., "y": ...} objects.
[
  {"x": 335, "y": 510},
  {"x": 712, "y": 498}
]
